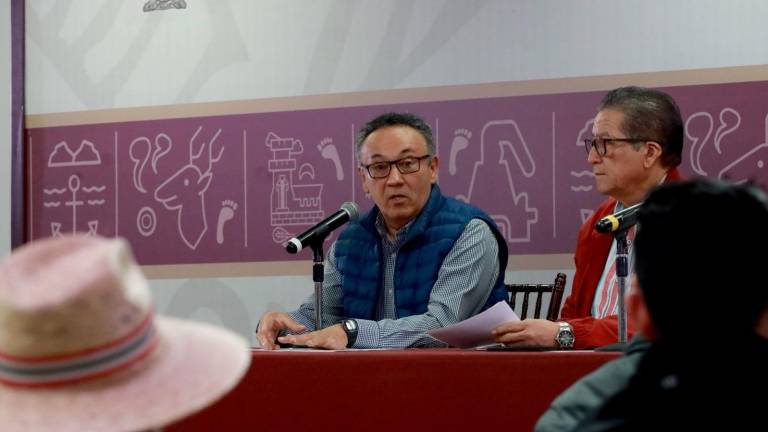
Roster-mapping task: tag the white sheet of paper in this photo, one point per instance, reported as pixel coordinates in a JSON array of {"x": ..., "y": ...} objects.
[{"x": 476, "y": 330}]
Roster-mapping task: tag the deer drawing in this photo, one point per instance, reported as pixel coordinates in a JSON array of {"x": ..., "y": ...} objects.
[{"x": 184, "y": 191}]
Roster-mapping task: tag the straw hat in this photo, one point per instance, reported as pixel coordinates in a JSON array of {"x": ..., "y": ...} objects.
[{"x": 82, "y": 350}]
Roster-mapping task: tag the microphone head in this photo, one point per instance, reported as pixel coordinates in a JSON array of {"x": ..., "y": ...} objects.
[
  {"x": 607, "y": 224},
  {"x": 351, "y": 209},
  {"x": 293, "y": 246}
]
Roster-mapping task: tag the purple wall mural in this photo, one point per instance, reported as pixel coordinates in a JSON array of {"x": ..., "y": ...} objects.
[{"x": 233, "y": 188}]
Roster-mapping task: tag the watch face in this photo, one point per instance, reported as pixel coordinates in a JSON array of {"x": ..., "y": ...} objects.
[
  {"x": 565, "y": 338},
  {"x": 350, "y": 325}
]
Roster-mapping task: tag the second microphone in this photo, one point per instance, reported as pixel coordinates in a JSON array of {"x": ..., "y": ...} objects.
[{"x": 618, "y": 221}]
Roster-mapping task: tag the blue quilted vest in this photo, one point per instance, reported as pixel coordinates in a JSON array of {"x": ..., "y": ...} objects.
[{"x": 430, "y": 237}]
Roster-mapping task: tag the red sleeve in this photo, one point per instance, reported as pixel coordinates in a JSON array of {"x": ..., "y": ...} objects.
[{"x": 591, "y": 332}]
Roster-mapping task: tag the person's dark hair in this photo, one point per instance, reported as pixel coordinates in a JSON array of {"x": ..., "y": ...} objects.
[
  {"x": 698, "y": 251},
  {"x": 396, "y": 119},
  {"x": 649, "y": 114}
]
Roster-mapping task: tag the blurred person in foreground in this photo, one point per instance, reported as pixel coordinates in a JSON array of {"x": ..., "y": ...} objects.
[
  {"x": 701, "y": 299},
  {"x": 637, "y": 145},
  {"x": 417, "y": 261},
  {"x": 81, "y": 348}
]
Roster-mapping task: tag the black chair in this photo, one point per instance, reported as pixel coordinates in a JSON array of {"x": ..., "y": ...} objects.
[{"x": 556, "y": 289}]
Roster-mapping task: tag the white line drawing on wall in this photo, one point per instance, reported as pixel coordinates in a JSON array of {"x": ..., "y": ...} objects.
[
  {"x": 584, "y": 133},
  {"x": 460, "y": 142},
  {"x": 63, "y": 156},
  {"x": 53, "y": 191},
  {"x": 497, "y": 139},
  {"x": 745, "y": 167},
  {"x": 74, "y": 187},
  {"x": 306, "y": 171},
  {"x": 91, "y": 189},
  {"x": 697, "y": 140},
  {"x": 140, "y": 152},
  {"x": 227, "y": 212},
  {"x": 291, "y": 203},
  {"x": 329, "y": 151},
  {"x": 189, "y": 184},
  {"x": 146, "y": 221},
  {"x": 729, "y": 121}
]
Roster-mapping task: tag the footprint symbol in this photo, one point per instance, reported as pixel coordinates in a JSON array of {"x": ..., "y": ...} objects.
[
  {"x": 460, "y": 142},
  {"x": 226, "y": 213},
  {"x": 328, "y": 151}
]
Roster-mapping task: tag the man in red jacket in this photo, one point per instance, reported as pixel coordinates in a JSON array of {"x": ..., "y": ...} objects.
[{"x": 637, "y": 145}]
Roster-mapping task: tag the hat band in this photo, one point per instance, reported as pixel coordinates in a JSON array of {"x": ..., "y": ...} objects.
[{"x": 92, "y": 363}]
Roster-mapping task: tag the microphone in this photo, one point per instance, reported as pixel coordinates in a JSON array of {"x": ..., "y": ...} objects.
[
  {"x": 347, "y": 213},
  {"x": 618, "y": 221}
]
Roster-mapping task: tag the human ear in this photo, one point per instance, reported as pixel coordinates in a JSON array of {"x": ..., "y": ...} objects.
[{"x": 653, "y": 152}]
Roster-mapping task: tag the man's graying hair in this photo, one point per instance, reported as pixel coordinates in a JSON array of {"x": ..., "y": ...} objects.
[
  {"x": 396, "y": 119},
  {"x": 649, "y": 114}
]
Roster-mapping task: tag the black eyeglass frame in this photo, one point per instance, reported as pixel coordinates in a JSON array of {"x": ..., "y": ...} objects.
[
  {"x": 590, "y": 143},
  {"x": 397, "y": 164}
]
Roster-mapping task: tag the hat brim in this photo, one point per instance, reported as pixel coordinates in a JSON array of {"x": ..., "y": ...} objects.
[{"x": 194, "y": 365}]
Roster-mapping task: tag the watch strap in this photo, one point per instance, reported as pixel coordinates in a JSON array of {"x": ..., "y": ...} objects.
[
  {"x": 350, "y": 328},
  {"x": 565, "y": 337}
]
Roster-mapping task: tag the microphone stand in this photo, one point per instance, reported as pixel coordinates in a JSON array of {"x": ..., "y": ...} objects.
[
  {"x": 622, "y": 271},
  {"x": 318, "y": 274}
]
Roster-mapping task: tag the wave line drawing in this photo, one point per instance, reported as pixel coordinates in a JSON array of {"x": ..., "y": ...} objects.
[
  {"x": 94, "y": 189},
  {"x": 582, "y": 173},
  {"x": 53, "y": 191},
  {"x": 581, "y": 188},
  {"x": 95, "y": 202},
  {"x": 51, "y": 204}
]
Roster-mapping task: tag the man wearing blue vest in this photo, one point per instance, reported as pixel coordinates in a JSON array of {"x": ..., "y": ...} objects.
[{"x": 416, "y": 262}]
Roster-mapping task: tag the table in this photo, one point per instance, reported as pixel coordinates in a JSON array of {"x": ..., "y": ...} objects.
[{"x": 395, "y": 390}]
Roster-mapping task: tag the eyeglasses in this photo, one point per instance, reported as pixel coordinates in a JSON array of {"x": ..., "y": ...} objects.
[
  {"x": 406, "y": 165},
  {"x": 601, "y": 144}
]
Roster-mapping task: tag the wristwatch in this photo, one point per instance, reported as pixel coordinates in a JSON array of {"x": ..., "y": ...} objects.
[
  {"x": 565, "y": 337},
  {"x": 350, "y": 328}
]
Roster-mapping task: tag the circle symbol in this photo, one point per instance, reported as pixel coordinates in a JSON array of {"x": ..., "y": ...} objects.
[{"x": 146, "y": 221}]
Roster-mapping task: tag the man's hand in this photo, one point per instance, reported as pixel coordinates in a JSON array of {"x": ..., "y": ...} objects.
[
  {"x": 534, "y": 332},
  {"x": 271, "y": 323},
  {"x": 332, "y": 337}
]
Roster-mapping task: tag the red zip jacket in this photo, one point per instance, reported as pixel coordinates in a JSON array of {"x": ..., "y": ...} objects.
[{"x": 592, "y": 250}]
